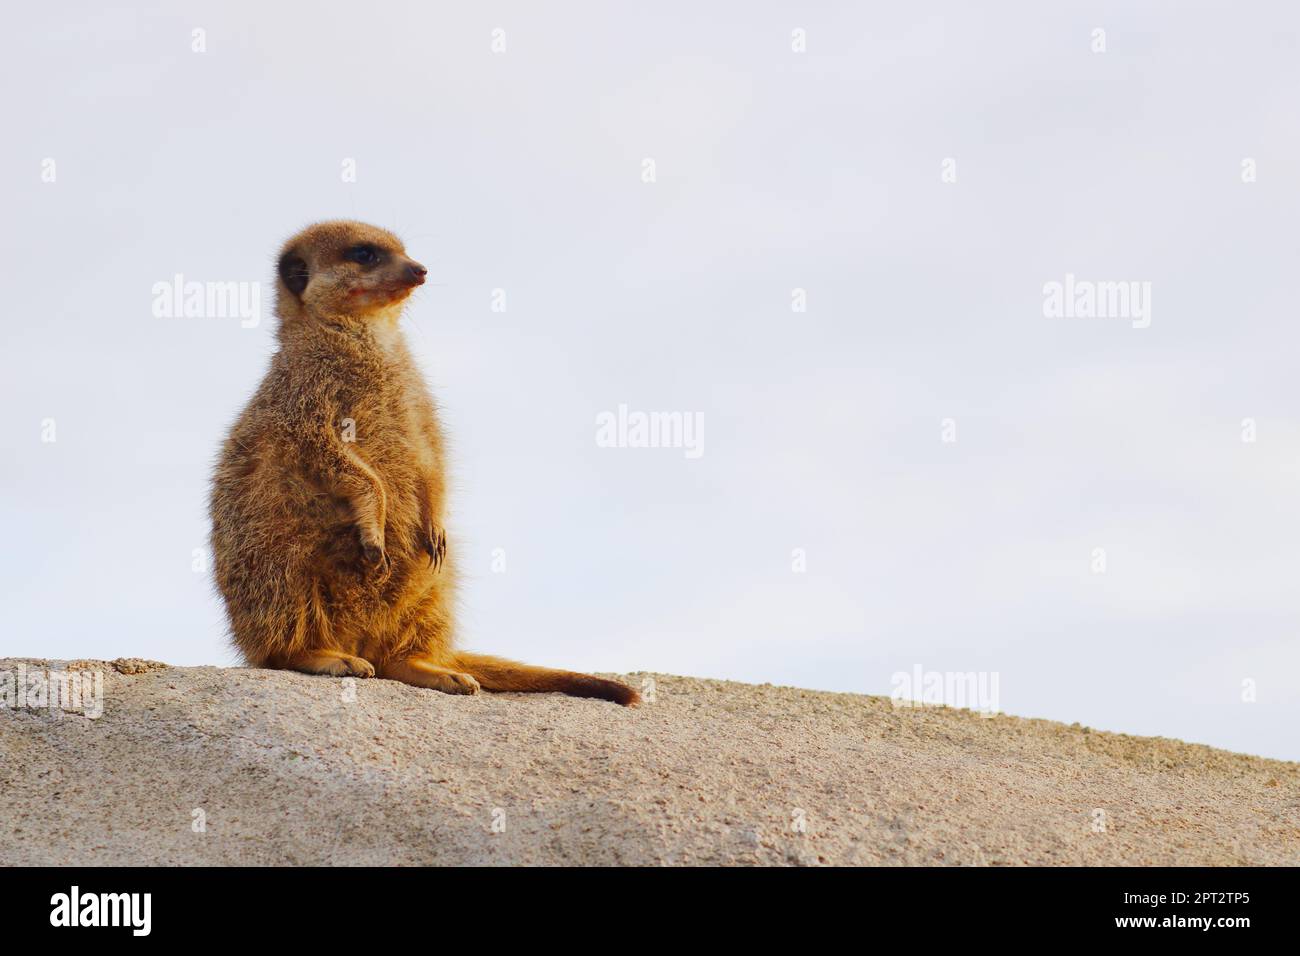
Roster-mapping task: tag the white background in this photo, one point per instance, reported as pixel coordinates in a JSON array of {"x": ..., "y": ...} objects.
[{"x": 775, "y": 170}]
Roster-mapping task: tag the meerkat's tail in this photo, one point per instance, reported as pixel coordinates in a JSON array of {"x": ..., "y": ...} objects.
[{"x": 496, "y": 673}]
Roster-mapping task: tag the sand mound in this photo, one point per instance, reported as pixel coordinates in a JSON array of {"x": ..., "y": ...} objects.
[{"x": 231, "y": 766}]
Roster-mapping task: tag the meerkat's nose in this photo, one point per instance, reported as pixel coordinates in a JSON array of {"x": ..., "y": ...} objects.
[{"x": 416, "y": 272}]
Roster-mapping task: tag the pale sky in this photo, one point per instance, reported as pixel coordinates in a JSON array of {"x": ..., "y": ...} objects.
[{"x": 774, "y": 170}]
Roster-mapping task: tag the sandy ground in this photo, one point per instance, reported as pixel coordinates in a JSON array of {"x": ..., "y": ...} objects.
[{"x": 230, "y": 766}]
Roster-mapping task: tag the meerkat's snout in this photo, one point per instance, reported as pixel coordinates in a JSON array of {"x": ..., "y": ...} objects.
[{"x": 400, "y": 274}]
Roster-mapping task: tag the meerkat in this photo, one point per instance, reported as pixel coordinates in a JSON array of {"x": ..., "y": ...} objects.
[{"x": 328, "y": 498}]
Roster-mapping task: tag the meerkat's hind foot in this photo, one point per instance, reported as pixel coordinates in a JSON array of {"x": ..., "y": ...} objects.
[
  {"x": 329, "y": 663},
  {"x": 419, "y": 672}
]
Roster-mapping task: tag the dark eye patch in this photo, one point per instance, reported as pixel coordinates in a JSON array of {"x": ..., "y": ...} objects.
[{"x": 364, "y": 254}]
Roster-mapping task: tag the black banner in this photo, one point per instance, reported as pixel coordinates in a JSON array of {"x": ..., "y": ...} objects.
[{"x": 1172, "y": 905}]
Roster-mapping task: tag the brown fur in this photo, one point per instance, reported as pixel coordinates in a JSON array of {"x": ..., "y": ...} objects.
[{"x": 331, "y": 553}]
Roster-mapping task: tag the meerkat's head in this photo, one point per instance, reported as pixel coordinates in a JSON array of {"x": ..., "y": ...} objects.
[{"x": 345, "y": 270}]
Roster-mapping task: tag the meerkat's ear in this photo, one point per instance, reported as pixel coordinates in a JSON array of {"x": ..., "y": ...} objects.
[{"x": 293, "y": 272}]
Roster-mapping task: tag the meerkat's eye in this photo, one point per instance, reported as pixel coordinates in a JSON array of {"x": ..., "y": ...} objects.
[{"x": 364, "y": 254}]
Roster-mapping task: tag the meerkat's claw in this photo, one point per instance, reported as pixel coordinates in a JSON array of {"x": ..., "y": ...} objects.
[{"x": 435, "y": 545}]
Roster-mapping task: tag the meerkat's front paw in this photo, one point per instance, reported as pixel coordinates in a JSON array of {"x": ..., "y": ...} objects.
[
  {"x": 374, "y": 559},
  {"x": 435, "y": 545}
]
